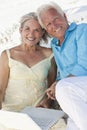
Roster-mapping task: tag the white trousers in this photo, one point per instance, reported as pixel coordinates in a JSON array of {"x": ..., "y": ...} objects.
[
  {"x": 71, "y": 93},
  {"x": 71, "y": 125}
]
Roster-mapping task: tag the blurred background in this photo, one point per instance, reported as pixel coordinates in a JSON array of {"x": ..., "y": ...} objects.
[{"x": 12, "y": 10}]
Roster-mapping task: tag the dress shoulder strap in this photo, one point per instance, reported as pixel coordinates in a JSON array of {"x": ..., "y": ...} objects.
[
  {"x": 8, "y": 53},
  {"x": 51, "y": 56}
]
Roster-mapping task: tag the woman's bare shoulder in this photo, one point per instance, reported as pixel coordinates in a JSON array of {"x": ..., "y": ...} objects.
[
  {"x": 47, "y": 51},
  {"x": 4, "y": 59},
  {"x": 3, "y": 54},
  {"x": 15, "y": 48}
]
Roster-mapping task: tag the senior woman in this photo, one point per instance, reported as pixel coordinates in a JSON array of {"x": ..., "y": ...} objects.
[{"x": 27, "y": 70}]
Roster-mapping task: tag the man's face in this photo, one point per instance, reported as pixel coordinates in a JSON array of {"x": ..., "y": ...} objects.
[{"x": 55, "y": 24}]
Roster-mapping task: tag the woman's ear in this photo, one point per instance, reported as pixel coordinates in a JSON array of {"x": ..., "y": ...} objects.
[{"x": 20, "y": 30}]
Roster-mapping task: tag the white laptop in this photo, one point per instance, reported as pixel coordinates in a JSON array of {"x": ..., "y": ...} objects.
[{"x": 16, "y": 121}]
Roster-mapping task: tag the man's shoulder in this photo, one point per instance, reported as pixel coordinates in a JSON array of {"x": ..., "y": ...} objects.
[
  {"x": 76, "y": 26},
  {"x": 82, "y": 26},
  {"x": 81, "y": 29}
]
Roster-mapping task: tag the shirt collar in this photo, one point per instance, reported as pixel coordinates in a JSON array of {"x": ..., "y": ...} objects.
[{"x": 72, "y": 26}]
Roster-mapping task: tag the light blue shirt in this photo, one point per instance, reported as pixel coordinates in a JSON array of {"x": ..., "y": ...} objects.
[{"x": 71, "y": 56}]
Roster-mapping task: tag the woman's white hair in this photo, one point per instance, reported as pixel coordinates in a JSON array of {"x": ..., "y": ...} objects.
[{"x": 46, "y": 7}]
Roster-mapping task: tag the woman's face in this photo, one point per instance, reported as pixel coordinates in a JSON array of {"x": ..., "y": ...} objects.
[{"x": 31, "y": 32}]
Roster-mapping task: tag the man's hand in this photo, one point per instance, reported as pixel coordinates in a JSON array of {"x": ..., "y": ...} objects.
[{"x": 51, "y": 91}]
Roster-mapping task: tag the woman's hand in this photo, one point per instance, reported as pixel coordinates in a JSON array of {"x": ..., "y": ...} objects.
[
  {"x": 51, "y": 91},
  {"x": 46, "y": 103}
]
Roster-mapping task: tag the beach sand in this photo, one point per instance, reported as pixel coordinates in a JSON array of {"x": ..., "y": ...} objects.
[{"x": 60, "y": 125}]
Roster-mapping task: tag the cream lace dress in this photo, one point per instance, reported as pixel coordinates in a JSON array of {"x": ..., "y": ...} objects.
[{"x": 26, "y": 86}]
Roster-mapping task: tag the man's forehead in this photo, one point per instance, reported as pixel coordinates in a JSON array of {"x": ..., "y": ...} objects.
[{"x": 49, "y": 13}]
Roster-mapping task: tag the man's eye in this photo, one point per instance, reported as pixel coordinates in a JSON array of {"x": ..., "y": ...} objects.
[
  {"x": 37, "y": 30},
  {"x": 48, "y": 25},
  {"x": 56, "y": 19}
]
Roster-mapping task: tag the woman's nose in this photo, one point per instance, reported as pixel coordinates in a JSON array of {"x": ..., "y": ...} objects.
[{"x": 31, "y": 33}]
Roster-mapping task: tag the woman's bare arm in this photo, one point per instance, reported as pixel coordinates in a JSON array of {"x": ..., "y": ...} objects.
[{"x": 4, "y": 74}]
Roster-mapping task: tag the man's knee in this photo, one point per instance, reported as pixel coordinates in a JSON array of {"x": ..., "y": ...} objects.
[{"x": 63, "y": 89}]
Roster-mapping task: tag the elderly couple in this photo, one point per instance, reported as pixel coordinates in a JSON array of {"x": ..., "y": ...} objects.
[{"x": 26, "y": 71}]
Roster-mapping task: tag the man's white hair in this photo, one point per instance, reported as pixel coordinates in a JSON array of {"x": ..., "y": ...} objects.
[{"x": 45, "y": 7}]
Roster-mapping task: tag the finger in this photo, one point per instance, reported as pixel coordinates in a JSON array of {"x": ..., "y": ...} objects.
[
  {"x": 51, "y": 96},
  {"x": 48, "y": 90}
]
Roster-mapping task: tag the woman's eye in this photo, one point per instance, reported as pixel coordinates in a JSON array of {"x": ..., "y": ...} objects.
[{"x": 26, "y": 28}]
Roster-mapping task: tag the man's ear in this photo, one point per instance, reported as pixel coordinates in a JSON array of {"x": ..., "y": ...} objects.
[{"x": 65, "y": 16}]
